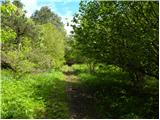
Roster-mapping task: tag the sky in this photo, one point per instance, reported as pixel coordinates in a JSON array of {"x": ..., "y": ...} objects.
[{"x": 64, "y": 8}]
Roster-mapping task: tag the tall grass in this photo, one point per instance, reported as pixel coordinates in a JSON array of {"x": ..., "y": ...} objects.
[{"x": 33, "y": 95}]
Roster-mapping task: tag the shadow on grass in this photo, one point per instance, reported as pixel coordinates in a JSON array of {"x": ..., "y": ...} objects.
[
  {"x": 101, "y": 95},
  {"x": 113, "y": 96}
]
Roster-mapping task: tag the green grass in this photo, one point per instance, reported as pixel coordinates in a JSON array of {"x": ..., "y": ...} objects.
[
  {"x": 110, "y": 90},
  {"x": 114, "y": 95},
  {"x": 34, "y": 95}
]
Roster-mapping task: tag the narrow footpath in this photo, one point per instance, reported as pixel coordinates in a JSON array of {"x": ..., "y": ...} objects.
[{"x": 80, "y": 105}]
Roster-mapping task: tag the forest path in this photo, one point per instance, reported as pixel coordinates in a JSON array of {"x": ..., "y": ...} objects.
[{"x": 80, "y": 105}]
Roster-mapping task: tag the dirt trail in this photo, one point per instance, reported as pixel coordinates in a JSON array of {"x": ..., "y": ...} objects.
[{"x": 80, "y": 105}]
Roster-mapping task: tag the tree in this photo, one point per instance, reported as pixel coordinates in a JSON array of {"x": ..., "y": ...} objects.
[
  {"x": 6, "y": 10},
  {"x": 30, "y": 46},
  {"x": 18, "y": 4},
  {"x": 45, "y": 15},
  {"x": 17, "y": 30},
  {"x": 18, "y": 24},
  {"x": 53, "y": 43},
  {"x": 120, "y": 33},
  {"x": 52, "y": 35}
]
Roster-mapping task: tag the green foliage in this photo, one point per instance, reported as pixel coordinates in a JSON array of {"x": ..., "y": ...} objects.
[
  {"x": 33, "y": 96},
  {"x": 16, "y": 33},
  {"x": 51, "y": 40},
  {"x": 71, "y": 52},
  {"x": 53, "y": 43},
  {"x": 7, "y": 34},
  {"x": 45, "y": 15},
  {"x": 19, "y": 62},
  {"x": 18, "y": 4},
  {"x": 116, "y": 40},
  {"x": 120, "y": 33},
  {"x": 7, "y": 8},
  {"x": 48, "y": 51},
  {"x": 114, "y": 97},
  {"x": 28, "y": 46},
  {"x": 80, "y": 68}
]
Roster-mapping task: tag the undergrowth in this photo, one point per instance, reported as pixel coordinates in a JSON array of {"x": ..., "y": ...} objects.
[
  {"x": 114, "y": 95},
  {"x": 110, "y": 89},
  {"x": 33, "y": 95}
]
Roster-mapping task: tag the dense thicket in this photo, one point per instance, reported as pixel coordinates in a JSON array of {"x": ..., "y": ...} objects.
[
  {"x": 120, "y": 33},
  {"x": 24, "y": 40}
]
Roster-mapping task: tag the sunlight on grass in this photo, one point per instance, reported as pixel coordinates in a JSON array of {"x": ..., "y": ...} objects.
[{"x": 34, "y": 96}]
